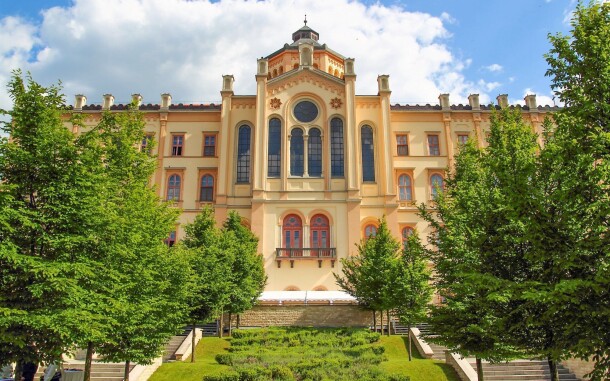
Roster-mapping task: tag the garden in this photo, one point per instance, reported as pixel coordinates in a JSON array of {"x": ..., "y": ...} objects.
[{"x": 305, "y": 354}]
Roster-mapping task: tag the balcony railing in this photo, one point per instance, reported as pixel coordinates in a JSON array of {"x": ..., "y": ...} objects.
[{"x": 306, "y": 253}]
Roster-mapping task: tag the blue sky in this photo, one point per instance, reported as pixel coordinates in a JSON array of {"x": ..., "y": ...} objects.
[{"x": 183, "y": 47}]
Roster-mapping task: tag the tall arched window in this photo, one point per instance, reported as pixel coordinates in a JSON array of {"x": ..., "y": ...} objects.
[
  {"x": 320, "y": 231},
  {"x": 436, "y": 185},
  {"x": 368, "y": 153},
  {"x": 206, "y": 191},
  {"x": 274, "y": 148},
  {"x": 173, "y": 188},
  {"x": 292, "y": 232},
  {"x": 297, "y": 157},
  {"x": 336, "y": 148},
  {"x": 314, "y": 153},
  {"x": 243, "y": 154},
  {"x": 406, "y": 232},
  {"x": 370, "y": 231},
  {"x": 404, "y": 188}
]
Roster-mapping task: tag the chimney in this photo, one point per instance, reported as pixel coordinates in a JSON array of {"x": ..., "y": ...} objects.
[
  {"x": 473, "y": 100},
  {"x": 79, "y": 101},
  {"x": 502, "y": 100},
  {"x": 444, "y": 99},
  {"x": 137, "y": 99},
  {"x": 166, "y": 101},
  {"x": 108, "y": 102}
]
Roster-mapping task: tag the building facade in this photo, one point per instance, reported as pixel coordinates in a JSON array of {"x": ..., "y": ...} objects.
[{"x": 310, "y": 165}]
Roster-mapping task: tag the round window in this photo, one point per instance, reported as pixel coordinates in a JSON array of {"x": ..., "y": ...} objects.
[{"x": 305, "y": 111}]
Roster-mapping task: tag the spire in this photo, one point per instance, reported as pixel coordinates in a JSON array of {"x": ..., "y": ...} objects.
[{"x": 305, "y": 19}]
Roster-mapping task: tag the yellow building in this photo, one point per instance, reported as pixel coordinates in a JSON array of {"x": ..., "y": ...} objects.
[{"x": 309, "y": 164}]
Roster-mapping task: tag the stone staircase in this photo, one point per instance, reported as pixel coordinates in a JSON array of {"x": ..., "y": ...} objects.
[
  {"x": 530, "y": 370},
  {"x": 169, "y": 354},
  {"x": 99, "y": 371},
  {"x": 209, "y": 329}
]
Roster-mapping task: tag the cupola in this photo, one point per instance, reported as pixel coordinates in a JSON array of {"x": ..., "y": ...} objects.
[{"x": 305, "y": 33}]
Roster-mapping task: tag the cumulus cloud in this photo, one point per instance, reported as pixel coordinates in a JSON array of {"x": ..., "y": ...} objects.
[
  {"x": 494, "y": 68},
  {"x": 184, "y": 47}
]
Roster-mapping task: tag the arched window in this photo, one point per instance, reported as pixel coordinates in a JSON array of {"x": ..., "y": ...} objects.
[
  {"x": 206, "y": 192},
  {"x": 243, "y": 154},
  {"x": 274, "y": 148},
  {"x": 295, "y": 66},
  {"x": 406, "y": 232},
  {"x": 404, "y": 188},
  {"x": 314, "y": 154},
  {"x": 336, "y": 148},
  {"x": 296, "y": 152},
  {"x": 320, "y": 231},
  {"x": 274, "y": 73},
  {"x": 368, "y": 153},
  {"x": 281, "y": 70},
  {"x": 436, "y": 185},
  {"x": 173, "y": 188},
  {"x": 370, "y": 231},
  {"x": 292, "y": 232}
]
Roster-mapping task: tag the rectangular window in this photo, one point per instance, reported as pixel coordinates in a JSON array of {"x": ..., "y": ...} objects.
[
  {"x": 433, "y": 147},
  {"x": 209, "y": 145},
  {"x": 462, "y": 139},
  {"x": 171, "y": 239},
  {"x": 402, "y": 145},
  {"x": 145, "y": 146},
  {"x": 288, "y": 246},
  {"x": 177, "y": 145},
  {"x": 314, "y": 239}
]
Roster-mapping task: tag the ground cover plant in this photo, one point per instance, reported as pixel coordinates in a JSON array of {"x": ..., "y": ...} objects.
[{"x": 304, "y": 354}]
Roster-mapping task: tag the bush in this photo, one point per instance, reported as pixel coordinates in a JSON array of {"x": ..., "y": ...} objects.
[
  {"x": 281, "y": 373},
  {"x": 225, "y": 376},
  {"x": 224, "y": 359},
  {"x": 399, "y": 377},
  {"x": 254, "y": 373}
]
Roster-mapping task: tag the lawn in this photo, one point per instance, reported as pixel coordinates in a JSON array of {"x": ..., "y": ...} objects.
[{"x": 308, "y": 354}]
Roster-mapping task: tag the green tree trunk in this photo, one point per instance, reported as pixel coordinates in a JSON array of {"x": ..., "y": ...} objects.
[
  {"x": 126, "y": 372},
  {"x": 18, "y": 370},
  {"x": 220, "y": 325},
  {"x": 229, "y": 324},
  {"x": 381, "y": 321},
  {"x": 553, "y": 369},
  {"x": 410, "y": 341},
  {"x": 388, "y": 318},
  {"x": 238, "y": 321},
  {"x": 480, "y": 369},
  {"x": 88, "y": 359},
  {"x": 193, "y": 342},
  {"x": 374, "y": 321}
]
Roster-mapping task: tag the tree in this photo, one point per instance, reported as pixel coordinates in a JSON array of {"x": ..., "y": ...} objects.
[
  {"x": 248, "y": 270},
  {"x": 49, "y": 237},
  {"x": 413, "y": 290},
  {"x": 211, "y": 265},
  {"x": 575, "y": 169},
  {"x": 149, "y": 297},
  {"x": 479, "y": 249},
  {"x": 368, "y": 276}
]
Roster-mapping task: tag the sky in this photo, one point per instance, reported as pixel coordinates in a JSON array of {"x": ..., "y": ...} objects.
[{"x": 183, "y": 47}]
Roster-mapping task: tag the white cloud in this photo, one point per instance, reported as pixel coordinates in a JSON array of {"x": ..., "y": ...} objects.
[
  {"x": 184, "y": 47},
  {"x": 542, "y": 99},
  {"x": 494, "y": 68}
]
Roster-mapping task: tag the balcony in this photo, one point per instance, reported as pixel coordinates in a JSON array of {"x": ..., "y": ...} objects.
[{"x": 306, "y": 253}]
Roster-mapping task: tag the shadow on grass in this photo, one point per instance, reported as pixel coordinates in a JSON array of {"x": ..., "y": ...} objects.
[{"x": 415, "y": 353}]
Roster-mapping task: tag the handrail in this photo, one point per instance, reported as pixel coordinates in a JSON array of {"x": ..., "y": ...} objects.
[{"x": 306, "y": 253}]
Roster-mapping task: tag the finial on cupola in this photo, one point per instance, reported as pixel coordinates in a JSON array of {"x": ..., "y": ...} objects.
[{"x": 305, "y": 21}]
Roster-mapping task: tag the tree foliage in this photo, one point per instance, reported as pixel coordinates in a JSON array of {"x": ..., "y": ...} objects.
[{"x": 368, "y": 275}]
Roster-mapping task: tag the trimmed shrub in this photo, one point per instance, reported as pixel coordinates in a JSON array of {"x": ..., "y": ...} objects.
[
  {"x": 224, "y": 359},
  {"x": 281, "y": 373},
  {"x": 225, "y": 376}
]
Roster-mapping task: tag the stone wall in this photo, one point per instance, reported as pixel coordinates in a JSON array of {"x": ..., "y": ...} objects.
[
  {"x": 578, "y": 367},
  {"x": 304, "y": 316}
]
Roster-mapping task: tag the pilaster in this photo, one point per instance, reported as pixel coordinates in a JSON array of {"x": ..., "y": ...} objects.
[{"x": 225, "y": 137}]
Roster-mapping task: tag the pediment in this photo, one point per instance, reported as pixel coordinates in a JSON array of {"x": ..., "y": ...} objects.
[{"x": 315, "y": 77}]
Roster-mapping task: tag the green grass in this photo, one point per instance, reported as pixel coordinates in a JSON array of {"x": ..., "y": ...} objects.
[
  {"x": 262, "y": 347},
  {"x": 205, "y": 362},
  {"x": 419, "y": 369}
]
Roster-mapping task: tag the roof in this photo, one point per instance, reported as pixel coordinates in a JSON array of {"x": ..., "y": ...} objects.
[{"x": 305, "y": 297}]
